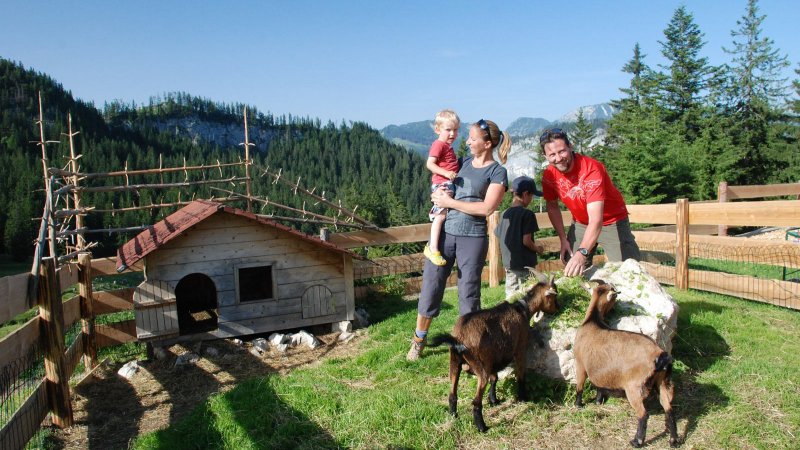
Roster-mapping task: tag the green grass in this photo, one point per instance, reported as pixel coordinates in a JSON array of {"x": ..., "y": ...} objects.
[{"x": 735, "y": 374}]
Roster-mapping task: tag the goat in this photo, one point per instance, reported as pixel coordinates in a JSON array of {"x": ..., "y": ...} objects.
[
  {"x": 488, "y": 340},
  {"x": 618, "y": 362}
]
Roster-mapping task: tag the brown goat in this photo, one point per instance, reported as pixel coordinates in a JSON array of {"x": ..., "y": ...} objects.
[
  {"x": 488, "y": 340},
  {"x": 618, "y": 362}
]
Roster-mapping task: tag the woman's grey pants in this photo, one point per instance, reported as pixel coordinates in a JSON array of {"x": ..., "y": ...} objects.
[{"x": 470, "y": 252}]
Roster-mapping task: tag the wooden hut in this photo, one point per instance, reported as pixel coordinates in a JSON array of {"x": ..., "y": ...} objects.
[{"x": 213, "y": 271}]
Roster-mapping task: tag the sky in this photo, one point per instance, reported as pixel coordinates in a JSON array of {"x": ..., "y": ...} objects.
[{"x": 375, "y": 61}]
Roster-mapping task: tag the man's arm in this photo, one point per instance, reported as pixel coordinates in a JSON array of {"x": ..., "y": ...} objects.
[
  {"x": 595, "y": 211},
  {"x": 554, "y": 213}
]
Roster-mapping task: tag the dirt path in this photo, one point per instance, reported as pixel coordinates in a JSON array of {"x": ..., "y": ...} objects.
[{"x": 111, "y": 411}]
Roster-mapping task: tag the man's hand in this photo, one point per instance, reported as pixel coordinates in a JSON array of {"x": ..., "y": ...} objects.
[{"x": 575, "y": 265}]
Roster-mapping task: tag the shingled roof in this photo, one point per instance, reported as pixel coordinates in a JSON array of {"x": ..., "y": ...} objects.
[{"x": 190, "y": 215}]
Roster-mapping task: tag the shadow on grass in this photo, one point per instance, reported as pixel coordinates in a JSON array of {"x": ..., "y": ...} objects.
[
  {"x": 697, "y": 347},
  {"x": 116, "y": 411}
]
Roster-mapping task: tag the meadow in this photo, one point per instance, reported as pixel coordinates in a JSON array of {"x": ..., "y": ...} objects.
[{"x": 736, "y": 386}]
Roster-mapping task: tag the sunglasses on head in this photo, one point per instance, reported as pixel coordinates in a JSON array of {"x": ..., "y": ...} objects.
[
  {"x": 552, "y": 133},
  {"x": 483, "y": 125}
]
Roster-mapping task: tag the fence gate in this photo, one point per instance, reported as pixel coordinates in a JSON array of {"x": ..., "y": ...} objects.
[{"x": 156, "y": 309}]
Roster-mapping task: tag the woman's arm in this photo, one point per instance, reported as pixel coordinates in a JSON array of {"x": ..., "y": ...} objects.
[{"x": 494, "y": 195}]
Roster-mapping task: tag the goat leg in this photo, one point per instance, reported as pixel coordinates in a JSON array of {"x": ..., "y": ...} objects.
[
  {"x": 641, "y": 430},
  {"x": 519, "y": 370},
  {"x": 477, "y": 404},
  {"x": 492, "y": 390},
  {"x": 580, "y": 380},
  {"x": 455, "y": 374},
  {"x": 602, "y": 396},
  {"x": 669, "y": 418}
]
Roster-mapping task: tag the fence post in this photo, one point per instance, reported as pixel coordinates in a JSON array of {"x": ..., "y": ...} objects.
[
  {"x": 496, "y": 272},
  {"x": 87, "y": 312},
  {"x": 722, "y": 197},
  {"x": 51, "y": 318},
  {"x": 682, "y": 244}
]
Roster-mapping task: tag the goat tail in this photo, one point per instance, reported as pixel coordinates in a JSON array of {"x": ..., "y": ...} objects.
[
  {"x": 448, "y": 340},
  {"x": 664, "y": 362}
]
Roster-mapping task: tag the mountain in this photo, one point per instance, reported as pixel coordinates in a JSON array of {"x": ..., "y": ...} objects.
[
  {"x": 417, "y": 136},
  {"x": 526, "y": 126},
  {"x": 601, "y": 112}
]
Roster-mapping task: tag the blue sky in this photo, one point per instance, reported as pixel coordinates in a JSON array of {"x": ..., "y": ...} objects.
[{"x": 380, "y": 62}]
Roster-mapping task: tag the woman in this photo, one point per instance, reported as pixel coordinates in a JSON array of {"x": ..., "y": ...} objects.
[{"x": 480, "y": 186}]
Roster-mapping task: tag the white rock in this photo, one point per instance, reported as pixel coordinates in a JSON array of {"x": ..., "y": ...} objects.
[
  {"x": 128, "y": 370},
  {"x": 645, "y": 308},
  {"x": 261, "y": 344},
  {"x": 276, "y": 339},
  {"x": 187, "y": 358}
]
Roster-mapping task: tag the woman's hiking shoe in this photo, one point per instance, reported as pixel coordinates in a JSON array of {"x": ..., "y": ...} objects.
[
  {"x": 417, "y": 345},
  {"x": 434, "y": 256}
]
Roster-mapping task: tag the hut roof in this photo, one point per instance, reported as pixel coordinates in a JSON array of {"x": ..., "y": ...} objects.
[{"x": 190, "y": 215}]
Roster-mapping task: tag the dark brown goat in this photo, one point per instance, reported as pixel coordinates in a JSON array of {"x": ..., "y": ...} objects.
[
  {"x": 620, "y": 362},
  {"x": 488, "y": 340}
]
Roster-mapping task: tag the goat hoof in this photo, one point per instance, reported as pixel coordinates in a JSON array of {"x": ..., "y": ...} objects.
[
  {"x": 674, "y": 443},
  {"x": 635, "y": 443},
  {"x": 579, "y": 404}
]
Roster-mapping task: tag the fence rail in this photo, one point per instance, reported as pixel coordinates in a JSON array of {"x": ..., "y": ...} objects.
[{"x": 51, "y": 393}]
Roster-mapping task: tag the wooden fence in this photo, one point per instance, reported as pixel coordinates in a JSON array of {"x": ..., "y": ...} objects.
[{"x": 51, "y": 394}]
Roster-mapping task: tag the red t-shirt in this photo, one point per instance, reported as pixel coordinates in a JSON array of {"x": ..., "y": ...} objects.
[
  {"x": 585, "y": 183},
  {"x": 445, "y": 158}
]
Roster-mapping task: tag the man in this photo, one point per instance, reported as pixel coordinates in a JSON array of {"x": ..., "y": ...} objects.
[{"x": 599, "y": 214}]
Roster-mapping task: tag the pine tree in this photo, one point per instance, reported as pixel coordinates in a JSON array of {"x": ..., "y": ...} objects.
[
  {"x": 685, "y": 85},
  {"x": 754, "y": 91},
  {"x": 582, "y": 134}
]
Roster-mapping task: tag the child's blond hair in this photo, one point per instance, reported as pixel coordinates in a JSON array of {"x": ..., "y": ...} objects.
[{"x": 446, "y": 116}]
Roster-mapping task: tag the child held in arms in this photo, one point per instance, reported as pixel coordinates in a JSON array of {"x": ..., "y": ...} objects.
[
  {"x": 442, "y": 162},
  {"x": 515, "y": 232}
]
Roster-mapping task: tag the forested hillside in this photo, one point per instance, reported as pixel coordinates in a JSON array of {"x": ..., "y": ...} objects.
[{"x": 349, "y": 162}]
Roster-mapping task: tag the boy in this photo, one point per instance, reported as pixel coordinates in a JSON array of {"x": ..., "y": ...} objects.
[
  {"x": 515, "y": 231},
  {"x": 442, "y": 162}
]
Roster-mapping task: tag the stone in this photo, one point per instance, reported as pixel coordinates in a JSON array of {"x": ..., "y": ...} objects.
[
  {"x": 643, "y": 306},
  {"x": 128, "y": 370},
  {"x": 187, "y": 358},
  {"x": 261, "y": 344},
  {"x": 344, "y": 326}
]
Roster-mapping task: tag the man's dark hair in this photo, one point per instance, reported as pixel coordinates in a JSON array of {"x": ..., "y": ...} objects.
[{"x": 551, "y": 134}]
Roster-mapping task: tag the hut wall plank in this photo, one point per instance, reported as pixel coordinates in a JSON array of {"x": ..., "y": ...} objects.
[{"x": 14, "y": 295}]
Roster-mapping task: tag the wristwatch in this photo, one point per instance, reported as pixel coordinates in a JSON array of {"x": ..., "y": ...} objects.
[{"x": 583, "y": 251}]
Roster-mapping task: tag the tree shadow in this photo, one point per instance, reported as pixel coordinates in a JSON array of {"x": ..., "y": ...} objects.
[{"x": 115, "y": 411}]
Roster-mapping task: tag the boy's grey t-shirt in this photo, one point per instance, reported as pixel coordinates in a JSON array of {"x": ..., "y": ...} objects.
[{"x": 471, "y": 186}]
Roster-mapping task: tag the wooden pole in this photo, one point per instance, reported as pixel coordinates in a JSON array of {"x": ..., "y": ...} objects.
[
  {"x": 76, "y": 195},
  {"x": 48, "y": 189},
  {"x": 722, "y": 197},
  {"x": 496, "y": 272},
  {"x": 87, "y": 312},
  {"x": 247, "y": 163},
  {"x": 51, "y": 318},
  {"x": 682, "y": 244}
]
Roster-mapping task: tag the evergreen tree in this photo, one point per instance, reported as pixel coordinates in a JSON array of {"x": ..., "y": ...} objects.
[
  {"x": 753, "y": 94},
  {"x": 582, "y": 134},
  {"x": 685, "y": 85}
]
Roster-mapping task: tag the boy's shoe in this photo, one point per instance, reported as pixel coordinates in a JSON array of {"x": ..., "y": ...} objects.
[
  {"x": 434, "y": 256},
  {"x": 417, "y": 345}
]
